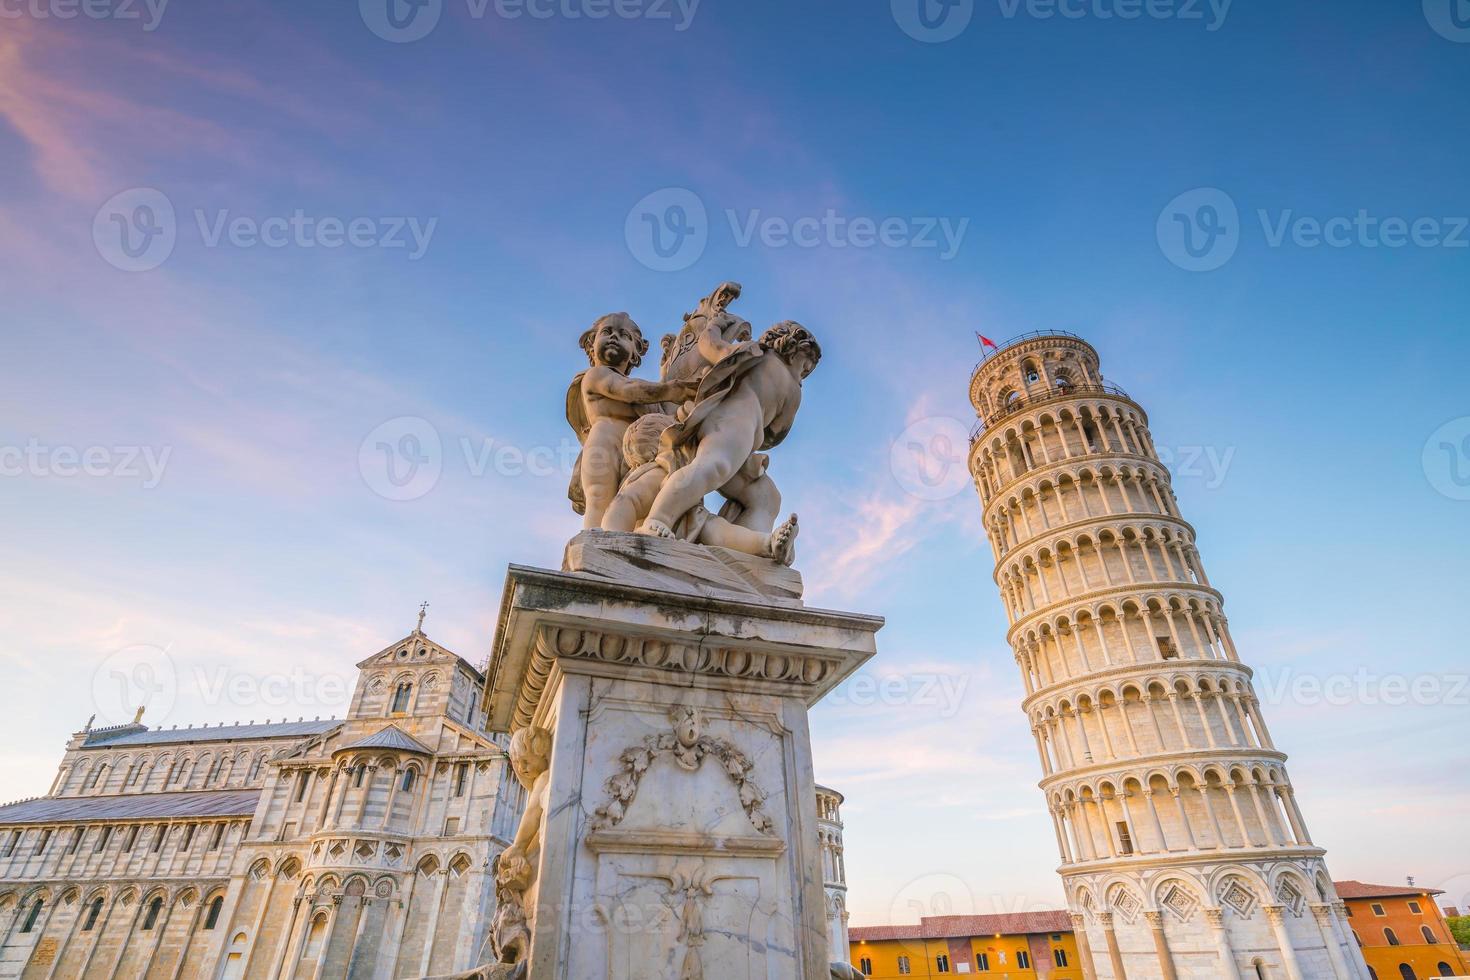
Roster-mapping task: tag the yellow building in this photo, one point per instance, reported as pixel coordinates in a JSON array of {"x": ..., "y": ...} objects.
[
  {"x": 1003, "y": 947},
  {"x": 1401, "y": 931}
]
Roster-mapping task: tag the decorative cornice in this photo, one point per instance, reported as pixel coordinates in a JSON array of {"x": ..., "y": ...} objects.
[{"x": 807, "y": 671}]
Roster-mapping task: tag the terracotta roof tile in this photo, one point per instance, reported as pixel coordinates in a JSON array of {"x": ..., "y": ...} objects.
[{"x": 1358, "y": 889}]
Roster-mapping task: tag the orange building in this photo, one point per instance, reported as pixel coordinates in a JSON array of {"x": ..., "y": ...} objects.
[
  {"x": 1402, "y": 932},
  {"x": 1020, "y": 946}
]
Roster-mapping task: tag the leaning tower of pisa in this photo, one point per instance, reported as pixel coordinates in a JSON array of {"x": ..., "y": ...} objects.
[{"x": 1184, "y": 853}]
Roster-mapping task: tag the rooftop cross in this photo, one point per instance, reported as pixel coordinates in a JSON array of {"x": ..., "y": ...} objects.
[{"x": 423, "y": 611}]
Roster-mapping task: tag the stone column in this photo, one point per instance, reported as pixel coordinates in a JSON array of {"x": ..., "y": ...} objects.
[
  {"x": 1161, "y": 945},
  {"x": 1323, "y": 914},
  {"x": 1229, "y": 970},
  {"x": 1115, "y": 955},
  {"x": 1084, "y": 948},
  {"x": 1276, "y": 915}
]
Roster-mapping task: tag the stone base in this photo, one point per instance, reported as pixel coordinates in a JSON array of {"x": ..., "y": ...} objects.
[
  {"x": 679, "y": 566},
  {"x": 681, "y": 836}
]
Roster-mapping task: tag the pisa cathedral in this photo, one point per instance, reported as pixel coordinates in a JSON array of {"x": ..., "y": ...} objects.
[
  {"x": 1183, "y": 850},
  {"x": 357, "y": 848}
]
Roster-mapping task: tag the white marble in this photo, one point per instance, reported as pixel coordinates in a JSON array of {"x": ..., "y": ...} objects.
[{"x": 681, "y": 832}]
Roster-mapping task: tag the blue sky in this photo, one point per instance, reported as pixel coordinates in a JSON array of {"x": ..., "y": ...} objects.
[{"x": 1296, "y": 385}]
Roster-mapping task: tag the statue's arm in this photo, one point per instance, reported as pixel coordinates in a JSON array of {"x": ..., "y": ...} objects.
[
  {"x": 712, "y": 345},
  {"x": 635, "y": 391}
]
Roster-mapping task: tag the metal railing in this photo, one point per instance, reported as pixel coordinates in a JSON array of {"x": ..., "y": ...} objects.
[
  {"x": 1051, "y": 393},
  {"x": 1033, "y": 335}
]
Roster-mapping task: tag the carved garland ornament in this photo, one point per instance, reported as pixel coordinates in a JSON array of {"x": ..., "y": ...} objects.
[
  {"x": 552, "y": 642},
  {"x": 689, "y": 749}
]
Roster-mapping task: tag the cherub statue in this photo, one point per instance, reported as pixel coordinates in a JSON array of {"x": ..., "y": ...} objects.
[
  {"x": 601, "y": 402},
  {"x": 648, "y": 470},
  {"x": 751, "y": 497},
  {"x": 515, "y": 869},
  {"x": 746, "y": 403}
]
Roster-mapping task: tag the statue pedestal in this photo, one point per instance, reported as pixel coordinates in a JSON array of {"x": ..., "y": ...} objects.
[{"x": 680, "y": 838}]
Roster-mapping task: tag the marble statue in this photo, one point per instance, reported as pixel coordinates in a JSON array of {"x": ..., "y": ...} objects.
[
  {"x": 649, "y": 470},
  {"x": 601, "y": 403},
  {"x": 746, "y": 402},
  {"x": 653, "y": 451},
  {"x": 515, "y": 869}
]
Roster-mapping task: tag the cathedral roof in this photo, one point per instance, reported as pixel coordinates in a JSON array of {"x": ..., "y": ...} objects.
[
  {"x": 417, "y": 649},
  {"x": 138, "y": 735},
  {"x": 137, "y": 806},
  {"x": 391, "y": 737}
]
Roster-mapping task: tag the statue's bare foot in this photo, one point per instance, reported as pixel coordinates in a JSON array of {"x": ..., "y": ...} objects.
[
  {"x": 656, "y": 528},
  {"x": 783, "y": 542}
]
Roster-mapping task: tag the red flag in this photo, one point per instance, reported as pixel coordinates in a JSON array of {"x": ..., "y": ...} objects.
[{"x": 986, "y": 341}]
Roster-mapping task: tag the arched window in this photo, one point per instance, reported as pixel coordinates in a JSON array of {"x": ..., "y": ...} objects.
[
  {"x": 211, "y": 919},
  {"x": 93, "y": 910},
  {"x": 408, "y": 775},
  {"x": 1445, "y": 971},
  {"x": 1260, "y": 969},
  {"x": 1407, "y": 972},
  {"x": 1388, "y": 934},
  {"x": 358, "y": 771},
  {"x": 154, "y": 907},
  {"x": 314, "y": 939},
  {"x": 34, "y": 913},
  {"x": 400, "y": 696},
  {"x": 1428, "y": 934}
]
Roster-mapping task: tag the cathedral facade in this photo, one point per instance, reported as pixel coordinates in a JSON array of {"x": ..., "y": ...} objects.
[{"x": 343, "y": 849}]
